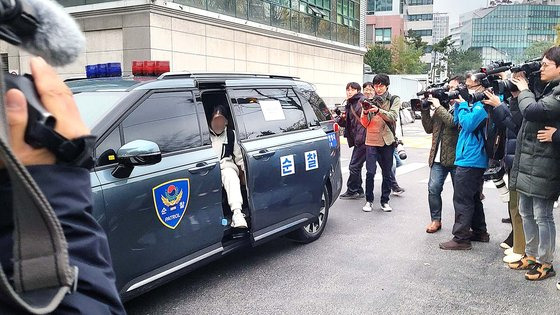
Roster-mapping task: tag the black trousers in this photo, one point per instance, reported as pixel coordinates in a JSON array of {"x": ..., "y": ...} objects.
[
  {"x": 357, "y": 161},
  {"x": 469, "y": 211}
]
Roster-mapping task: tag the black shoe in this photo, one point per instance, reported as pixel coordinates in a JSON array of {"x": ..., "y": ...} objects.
[
  {"x": 506, "y": 220},
  {"x": 397, "y": 190},
  {"x": 508, "y": 241},
  {"x": 352, "y": 195},
  {"x": 480, "y": 237},
  {"x": 452, "y": 245}
]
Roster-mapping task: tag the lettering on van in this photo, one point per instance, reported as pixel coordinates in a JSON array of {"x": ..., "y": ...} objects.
[
  {"x": 287, "y": 165},
  {"x": 332, "y": 139},
  {"x": 171, "y": 200},
  {"x": 311, "y": 160}
]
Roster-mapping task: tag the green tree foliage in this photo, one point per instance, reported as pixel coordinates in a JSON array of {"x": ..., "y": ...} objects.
[
  {"x": 415, "y": 40},
  {"x": 440, "y": 53},
  {"x": 536, "y": 50},
  {"x": 378, "y": 57},
  {"x": 459, "y": 62},
  {"x": 406, "y": 57},
  {"x": 401, "y": 57}
]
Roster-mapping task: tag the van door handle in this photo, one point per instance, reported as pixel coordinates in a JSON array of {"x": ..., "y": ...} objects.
[
  {"x": 201, "y": 167},
  {"x": 263, "y": 154}
]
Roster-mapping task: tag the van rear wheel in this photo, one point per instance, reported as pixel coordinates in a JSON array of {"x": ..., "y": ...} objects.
[{"x": 311, "y": 232}]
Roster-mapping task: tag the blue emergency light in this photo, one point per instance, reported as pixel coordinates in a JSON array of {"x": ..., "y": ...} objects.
[{"x": 104, "y": 70}]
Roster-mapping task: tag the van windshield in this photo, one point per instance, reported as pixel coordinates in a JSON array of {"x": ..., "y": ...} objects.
[{"x": 93, "y": 106}]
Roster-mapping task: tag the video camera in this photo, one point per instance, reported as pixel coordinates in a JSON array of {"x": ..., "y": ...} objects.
[
  {"x": 437, "y": 90},
  {"x": 489, "y": 78},
  {"x": 442, "y": 93}
]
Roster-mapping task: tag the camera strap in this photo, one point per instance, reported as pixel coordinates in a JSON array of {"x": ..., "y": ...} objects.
[
  {"x": 355, "y": 114},
  {"x": 390, "y": 125},
  {"x": 42, "y": 272}
]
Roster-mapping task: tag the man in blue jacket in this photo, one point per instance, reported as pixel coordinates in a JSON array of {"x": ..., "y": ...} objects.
[{"x": 471, "y": 161}]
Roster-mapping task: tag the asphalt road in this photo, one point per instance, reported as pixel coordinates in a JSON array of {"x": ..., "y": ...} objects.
[{"x": 366, "y": 263}]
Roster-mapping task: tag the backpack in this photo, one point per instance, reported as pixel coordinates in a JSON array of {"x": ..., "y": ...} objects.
[{"x": 494, "y": 138}]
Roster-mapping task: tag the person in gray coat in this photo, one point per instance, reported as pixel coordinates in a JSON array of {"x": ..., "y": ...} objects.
[{"x": 536, "y": 170}]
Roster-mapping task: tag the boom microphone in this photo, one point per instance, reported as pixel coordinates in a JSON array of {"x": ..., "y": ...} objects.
[{"x": 43, "y": 28}]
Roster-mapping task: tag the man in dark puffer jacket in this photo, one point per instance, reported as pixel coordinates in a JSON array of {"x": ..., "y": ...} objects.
[
  {"x": 536, "y": 170},
  {"x": 355, "y": 133}
]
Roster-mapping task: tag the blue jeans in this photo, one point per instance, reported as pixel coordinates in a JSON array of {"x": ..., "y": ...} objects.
[
  {"x": 438, "y": 174},
  {"x": 383, "y": 155},
  {"x": 538, "y": 223}
]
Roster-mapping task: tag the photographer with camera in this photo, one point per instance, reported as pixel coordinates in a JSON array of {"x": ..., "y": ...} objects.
[
  {"x": 471, "y": 160},
  {"x": 536, "y": 169},
  {"x": 67, "y": 188},
  {"x": 355, "y": 133},
  {"x": 507, "y": 116},
  {"x": 438, "y": 121},
  {"x": 369, "y": 93},
  {"x": 379, "y": 117}
]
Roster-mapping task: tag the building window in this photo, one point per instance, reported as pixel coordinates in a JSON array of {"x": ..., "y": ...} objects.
[
  {"x": 379, "y": 6},
  {"x": 348, "y": 13},
  {"x": 420, "y": 2},
  {"x": 423, "y": 32},
  {"x": 337, "y": 20},
  {"x": 320, "y": 8},
  {"x": 383, "y": 36},
  {"x": 420, "y": 17}
]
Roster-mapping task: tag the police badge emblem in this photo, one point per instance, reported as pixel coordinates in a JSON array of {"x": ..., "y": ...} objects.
[{"x": 171, "y": 200}]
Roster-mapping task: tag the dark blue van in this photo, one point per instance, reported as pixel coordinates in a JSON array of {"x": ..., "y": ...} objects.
[{"x": 153, "y": 155}]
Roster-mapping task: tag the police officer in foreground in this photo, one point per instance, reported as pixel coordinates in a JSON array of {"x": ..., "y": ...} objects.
[{"x": 68, "y": 190}]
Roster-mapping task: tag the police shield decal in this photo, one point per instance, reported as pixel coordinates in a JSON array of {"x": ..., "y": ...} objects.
[{"x": 171, "y": 200}]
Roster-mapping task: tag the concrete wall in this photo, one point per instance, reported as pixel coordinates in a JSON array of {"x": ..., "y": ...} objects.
[{"x": 201, "y": 44}]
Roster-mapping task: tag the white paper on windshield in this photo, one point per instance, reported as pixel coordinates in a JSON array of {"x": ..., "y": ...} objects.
[{"x": 272, "y": 110}]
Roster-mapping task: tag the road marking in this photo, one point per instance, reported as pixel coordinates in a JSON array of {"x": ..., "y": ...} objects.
[{"x": 406, "y": 168}]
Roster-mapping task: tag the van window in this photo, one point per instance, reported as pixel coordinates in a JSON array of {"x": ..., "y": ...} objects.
[
  {"x": 319, "y": 107},
  {"x": 268, "y": 111},
  {"x": 111, "y": 142},
  {"x": 168, "y": 119}
]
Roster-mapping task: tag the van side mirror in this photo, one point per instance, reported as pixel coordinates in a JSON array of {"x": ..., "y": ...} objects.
[{"x": 136, "y": 153}]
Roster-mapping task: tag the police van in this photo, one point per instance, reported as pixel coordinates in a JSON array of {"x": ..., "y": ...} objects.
[{"x": 156, "y": 183}]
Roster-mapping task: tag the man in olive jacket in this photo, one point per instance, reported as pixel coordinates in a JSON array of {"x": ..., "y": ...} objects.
[
  {"x": 536, "y": 170},
  {"x": 442, "y": 156}
]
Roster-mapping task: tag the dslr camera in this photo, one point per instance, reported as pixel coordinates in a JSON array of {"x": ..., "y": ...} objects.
[{"x": 369, "y": 103}]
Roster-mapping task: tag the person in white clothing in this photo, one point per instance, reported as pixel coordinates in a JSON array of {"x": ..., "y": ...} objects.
[{"x": 231, "y": 163}]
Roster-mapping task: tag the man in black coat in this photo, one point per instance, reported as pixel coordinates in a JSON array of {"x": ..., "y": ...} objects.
[
  {"x": 355, "y": 133},
  {"x": 68, "y": 190},
  {"x": 536, "y": 169}
]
